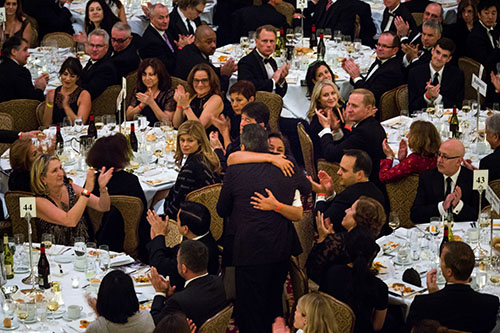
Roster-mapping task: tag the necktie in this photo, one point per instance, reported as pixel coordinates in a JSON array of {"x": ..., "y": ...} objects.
[
  {"x": 189, "y": 27},
  {"x": 373, "y": 68},
  {"x": 435, "y": 81},
  {"x": 492, "y": 39},
  {"x": 448, "y": 187},
  {"x": 165, "y": 37},
  {"x": 328, "y": 5}
]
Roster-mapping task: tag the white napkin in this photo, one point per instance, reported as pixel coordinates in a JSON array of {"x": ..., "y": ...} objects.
[{"x": 121, "y": 260}]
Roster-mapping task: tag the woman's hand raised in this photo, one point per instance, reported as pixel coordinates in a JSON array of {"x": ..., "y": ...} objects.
[
  {"x": 90, "y": 180},
  {"x": 181, "y": 96},
  {"x": 105, "y": 176}
]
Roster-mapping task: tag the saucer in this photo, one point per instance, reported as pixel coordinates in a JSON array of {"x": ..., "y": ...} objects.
[
  {"x": 21, "y": 269},
  {"x": 55, "y": 315},
  {"x": 29, "y": 321},
  {"x": 401, "y": 263},
  {"x": 64, "y": 259},
  {"x": 65, "y": 316},
  {"x": 14, "y": 326}
]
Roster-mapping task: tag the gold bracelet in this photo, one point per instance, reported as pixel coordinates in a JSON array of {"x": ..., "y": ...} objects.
[
  {"x": 104, "y": 189},
  {"x": 50, "y": 105}
]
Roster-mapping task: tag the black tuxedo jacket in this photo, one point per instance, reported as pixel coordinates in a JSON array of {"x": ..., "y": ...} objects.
[
  {"x": 260, "y": 237},
  {"x": 251, "y": 68},
  {"x": 164, "y": 258},
  {"x": 389, "y": 75},
  {"x": 154, "y": 46},
  {"x": 401, "y": 11},
  {"x": 97, "y": 77},
  {"x": 250, "y": 18},
  {"x": 452, "y": 86},
  {"x": 7, "y": 136},
  {"x": 492, "y": 163},
  {"x": 177, "y": 27},
  {"x": 126, "y": 61},
  {"x": 340, "y": 16},
  {"x": 457, "y": 306},
  {"x": 16, "y": 82},
  {"x": 335, "y": 209},
  {"x": 368, "y": 29},
  {"x": 416, "y": 6},
  {"x": 367, "y": 135},
  {"x": 431, "y": 191},
  {"x": 49, "y": 16},
  {"x": 200, "y": 300},
  {"x": 479, "y": 45}
]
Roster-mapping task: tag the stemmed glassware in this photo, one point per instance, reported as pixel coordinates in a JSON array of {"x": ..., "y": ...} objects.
[
  {"x": 394, "y": 221},
  {"x": 104, "y": 258},
  {"x": 52, "y": 306},
  {"x": 41, "y": 313}
]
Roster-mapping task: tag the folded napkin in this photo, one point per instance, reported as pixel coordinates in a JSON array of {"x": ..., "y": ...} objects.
[
  {"x": 401, "y": 232},
  {"x": 121, "y": 260}
]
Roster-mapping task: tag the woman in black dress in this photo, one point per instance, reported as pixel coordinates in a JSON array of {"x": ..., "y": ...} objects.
[
  {"x": 154, "y": 97},
  {"x": 466, "y": 17},
  {"x": 16, "y": 22}
]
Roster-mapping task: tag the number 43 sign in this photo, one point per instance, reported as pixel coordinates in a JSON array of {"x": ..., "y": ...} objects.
[
  {"x": 480, "y": 180},
  {"x": 27, "y": 205}
]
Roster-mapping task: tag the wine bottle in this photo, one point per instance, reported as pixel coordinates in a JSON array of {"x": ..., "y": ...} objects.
[
  {"x": 450, "y": 221},
  {"x": 3, "y": 277},
  {"x": 8, "y": 258},
  {"x": 454, "y": 124},
  {"x": 279, "y": 45},
  {"x": 445, "y": 238},
  {"x": 43, "y": 269},
  {"x": 92, "y": 131},
  {"x": 313, "y": 41},
  {"x": 133, "y": 138},
  {"x": 321, "y": 48},
  {"x": 59, "y": 141}
]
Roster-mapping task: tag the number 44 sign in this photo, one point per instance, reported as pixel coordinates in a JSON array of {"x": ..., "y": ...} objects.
[{"x": 27, "y": 205}]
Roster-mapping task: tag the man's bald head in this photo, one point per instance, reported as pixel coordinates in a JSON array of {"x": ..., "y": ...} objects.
[
  {"x": 205, "y": 39},
  {"x": 450, "y": 156},
  {"x": 433, "y": 11}
]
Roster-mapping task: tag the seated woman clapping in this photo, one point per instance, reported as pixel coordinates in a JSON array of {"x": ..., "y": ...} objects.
[{"x": 61, "y": 204}]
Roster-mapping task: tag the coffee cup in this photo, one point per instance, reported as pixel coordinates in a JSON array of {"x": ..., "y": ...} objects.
[{"x": 74, "y": 311}]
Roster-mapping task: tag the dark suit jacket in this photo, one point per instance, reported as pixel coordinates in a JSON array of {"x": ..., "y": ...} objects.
[
  {"x": 368, "y": 29},
  {"x": 335, "y": 209},
  {"x": 260, "y": 237},
  {"x": 177, "y": 27},
  {"x": 16, "y": 82},
  {"x": 340, "y": 16},
  {"x": 401, "y": 11},
  {"x": 452, "y": 86},
  {"x": 199, "y": 301},
  {"x": 492, "y": 163},
  {"x": 250, "y": 18},
  {"x": 431, "y": 191},
  {"x": 7, "y": 136},
  {"x": 479, "y": 46},
  {"x": 251, "y": 68},
  {"x": 416, "y": 6},
  {"x": 164, "y": 258},
  {"x": 96, "y": 78},
  {"x": 52, "y": 18},
  {"x": 126, "y": 61},
  {"x": 458, "y": 307},
  {"x": 154, "y": 46},
  {"x": 389, "y": 75}
]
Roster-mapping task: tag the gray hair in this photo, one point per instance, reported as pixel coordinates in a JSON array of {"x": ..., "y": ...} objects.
[
  {"x": 155, "y": 7},
  {"x": 122, "y": 26},
  {"x": 433, "y": 24},
  {"x": 493, "y": 123},
  {"x": 101, "y": 33},
  {"x": 254, "y": 138}
]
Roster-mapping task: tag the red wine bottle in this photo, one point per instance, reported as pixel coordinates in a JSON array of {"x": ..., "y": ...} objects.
[{"x": 43, "y": 269}]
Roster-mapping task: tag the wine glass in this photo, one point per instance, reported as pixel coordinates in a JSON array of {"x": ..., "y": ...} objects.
[
  {"x": 41, "y": 314},
  {"x": 244, "y": 43},
  {"x": 22, "y": 311},
  {"x": 52, "y": 305},
  {"x": 99, "y": 122},
  {"x": 393, "y": 221},
  {"x": 466, "y": 106},
  {"x": 327, "y": 35},
  {"x": 104, "y": 258},
  {"x": 299, "y": 34},
  {"x": 48, "y": 240},
  {"x": 435, "y": 225},
  {"x": 8, "y": 308},
  {"x": 337, "y": 37},
  {"x": 110, "y": 121},
  {"x": 289, "y": 36},
  {"x": 78, "y": 124}
]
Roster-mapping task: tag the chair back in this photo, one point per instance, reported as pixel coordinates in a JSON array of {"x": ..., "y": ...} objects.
[
  {"x": 487, "y": 209},
  {"x": 131, "y": 209},
  {"x": 6, "y": 123},
  {"x": 388, "y": 105},
  {"x": 402, "y": 98},
  {"x": 470, "y": 66},
  {"x": 131, "y": 79},
  {"x": 495, "y": 186},
  {"x": 275, "y": 104},
  {"x": 307, "y": 148},
  {"x": 298, "y": 278},
  {"x": 331, "y": 169},
  {"x": 306, "y": 230},
  {"x": 218, "y": 323},
  {"x": 209, "y": 196},
  {"x": 40, "y": 109},
  {"x": 418, "y": 17},
  {"x": 173, "y": 237},
  {"x": 34, "y": 30},
  {"x": 343, "y": 313},
  {"x": 61, "y": 39},
  {"x": 19, "y": 225},
  {"x": 176, "y": 81},
  {"x": 401, "y": 194},
  {"x": 357, "y": 26},
  {"x": 23, "y": 112},
  {"x": 106, "y": 102},
  {"x": 287, "y": 10}
]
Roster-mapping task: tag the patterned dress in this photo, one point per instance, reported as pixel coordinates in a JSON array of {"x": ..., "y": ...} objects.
[
  {"x": 413, "y": 163},
  {"x": 58, "y": 113}
]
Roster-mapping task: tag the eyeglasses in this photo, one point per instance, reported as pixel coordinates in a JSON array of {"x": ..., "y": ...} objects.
[
  {"x": 198, "y": 11},
  {"x": 196, "y": 81},
  {"x": 119, "y": 40},
  {"x": 384, "y": 46},
  {"x": 96, "y": 46},
  {"x": 445, "y": 157}
]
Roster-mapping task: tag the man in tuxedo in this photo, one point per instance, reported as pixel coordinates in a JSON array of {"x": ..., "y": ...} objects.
[
  {"x": 483, "y": 39},
  {"x": 155, "y": 42},
  {"x": 264, "y": 240},
  {"x": 51, "y": 15},
  {"x": 492, "y": 161},
  {"x": 447, "y": 187},
  {"x": 394, "y": 9},
  {"x": 420, "y": 53},
  {"x": 433, "y": 11},
  {"x": 204, "y": 45},
  {"x": 99, "y": 73},
  {"x": 355, "y": 169},
  {"x": 367, "y": 27},
  {"x": 416, "y": 6},
  {"x": 124, "y": 49},
  {"x": 260, "y": 68},
  {"x": 334, "y": 15},
  {"x": 436, "y": 82},
  {"x": 193, "y": 222},
  {"x": 456, "y": 306},
  {"x": 203, "y": 294},
  {"x": 385, "y": 72},
  {"x": 184, "y": 20}
]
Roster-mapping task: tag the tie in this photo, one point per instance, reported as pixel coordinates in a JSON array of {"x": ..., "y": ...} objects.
[
  {"x": 265, "y": 60},
  {"x": 492, "y": 39},
  {"x": 435, "y": 80},
  {"x": 448, "y": 187},
  {"x": 392, "y": 14},
  {"x": 373, "y": 68},
  {"x": 190, "y": 28},
  {"x": 165, "y": 37},
  {"x": 328, "y": 5}
]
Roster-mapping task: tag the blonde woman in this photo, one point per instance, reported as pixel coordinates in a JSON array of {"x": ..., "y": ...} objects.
[
  {"x": 313, "y": 314},
  {"x": 200, "y": 168}
]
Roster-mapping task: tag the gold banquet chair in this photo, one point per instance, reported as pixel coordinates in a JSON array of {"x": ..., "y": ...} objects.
[
  {"x": 307, "y": 148},
  {"x": 402, "y": 193},
  {"x": 388, "y": 105},
  {"x": 131, "y": 209},
  {"x": 173, "y": 237},
  {"x": 209, "y": 196},
  {"x": 418, "y": 17},
  {"x": 19, "y": 225},
  {"x": 287, "y": 10},
  {"x": 331, "y": 169},
  {"x": 275, "y": 104},
  {"x": 23, "y": 112},
  {"x": 62, "y": 39},
  {"x": 106, "y": 102},
  {"x": 40, "y": 109},
  {"x": 305, "y": 229},
  {"x": 495, "y": 186},
  {"x": 6, "y": 123},
  {"x": 402, "y": 98},
  {"x": 298, "y": 278},
  {"x": 176, "y": 81},
  {"x": 219, "y": 322},
  {"x": 131, "y": 79},
  {"x": 470, "y": 66},
  {"x": 343, "y": 313}
]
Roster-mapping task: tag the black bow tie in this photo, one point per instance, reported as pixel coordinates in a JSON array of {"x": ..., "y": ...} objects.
[
  {"x": 391, "y": 14},
  {"x": 266, "y": 60}
]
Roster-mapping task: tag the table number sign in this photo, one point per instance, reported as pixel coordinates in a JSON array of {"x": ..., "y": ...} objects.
[
  {"x": 301, "y": 4},
  {"x": 492, "y": 198},
  {"x": 2, "y": 15},
  {"x": 478, "y": 84},
  {"x": 480, "y": 180},
  {"x": 27, "y": 205}
]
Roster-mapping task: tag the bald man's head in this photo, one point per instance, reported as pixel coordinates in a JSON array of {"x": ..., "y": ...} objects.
[
  {"x": 450, "y": 156},
  {"x": 205, "y": 39}
]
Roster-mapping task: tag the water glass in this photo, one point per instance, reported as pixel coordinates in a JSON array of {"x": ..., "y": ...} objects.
[
  {"x": 90, "y": 271},
  {"x": 110, "y": 121},
  {"x": 494, "y": 271},
  {"x": 8, "y": 308},
  {"x": 78, "y": 124},
  {"x": 104, "y": 259},
  {"x": 328, "y": 34},
  {"x": 22, "y": 311},
  {"x": 41, "y": 314},
  {"x": 79, "y": 246},
  {"x": 394, "y": 221},
  {"x": 435, "y": 225},
  {"x": 404, "y": 253}
]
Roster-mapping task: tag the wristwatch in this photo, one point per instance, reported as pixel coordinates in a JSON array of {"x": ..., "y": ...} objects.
[{"x": 85, "y": 193}]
